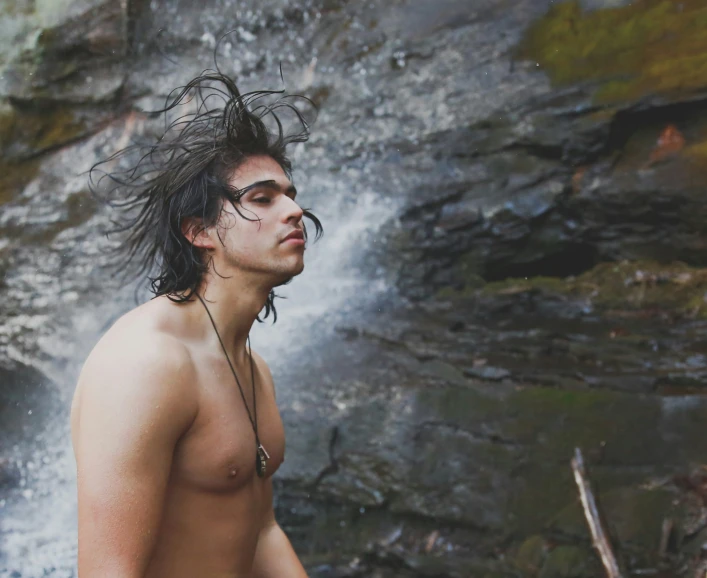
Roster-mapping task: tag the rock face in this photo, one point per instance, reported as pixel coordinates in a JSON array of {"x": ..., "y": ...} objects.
[{"x": 546, "y": 165}]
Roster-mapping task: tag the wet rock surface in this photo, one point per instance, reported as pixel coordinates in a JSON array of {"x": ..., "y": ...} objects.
[
  {"x": 458, "y": 436},
  {"x": 545, "y": 265}
]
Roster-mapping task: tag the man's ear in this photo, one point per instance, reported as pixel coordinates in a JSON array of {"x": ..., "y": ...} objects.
[{"x": 195, "y": 232}]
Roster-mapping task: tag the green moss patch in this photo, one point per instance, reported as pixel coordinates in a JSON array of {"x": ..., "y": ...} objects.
[
  {"x": 531, "y": 555},
  {"x": 13, "y": 177},
  {"x": 34, "y": 131},
  {"x": 27, "y": 132},
  {"x": 697, "y": 152},
  {"x": 629, "y": 285},
  {"x": 646, "y": 47},
  {"x": 571, "y": 562}
]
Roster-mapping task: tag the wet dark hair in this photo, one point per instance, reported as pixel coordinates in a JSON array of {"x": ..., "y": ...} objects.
[{"x": 185, "y": 174}]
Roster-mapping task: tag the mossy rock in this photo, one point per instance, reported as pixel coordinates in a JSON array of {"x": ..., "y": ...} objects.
[
  {"x": 571, "y": 562},
  {"x": 14, "y": 176},
  {"x": 434, "y": 566},
  {"x": 646, "y": 47},
  {"x": 549, "y": 423},
  {"x": 531, "y": 555},
  {"x": 647, "y": 285},
  {"x": 634, "y": 518},
  {"x": 512, "y": 285},
  {"x": 65, "y": 38},
  {"x": 628, "y": 285},
  {"x": 29, "y": 130}
]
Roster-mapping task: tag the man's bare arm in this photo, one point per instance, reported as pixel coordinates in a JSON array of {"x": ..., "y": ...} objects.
[
  {"x": 136, "y": 399},
  {"x": 274, "y": 556}
]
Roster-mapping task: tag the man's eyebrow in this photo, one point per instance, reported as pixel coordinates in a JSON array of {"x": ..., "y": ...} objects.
[{"x": 272, "y": 185}]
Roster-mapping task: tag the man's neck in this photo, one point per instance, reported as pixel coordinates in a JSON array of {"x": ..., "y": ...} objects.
[{"x": 234, "y": 304}]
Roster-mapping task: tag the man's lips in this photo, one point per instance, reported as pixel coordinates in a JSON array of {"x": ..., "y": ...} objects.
[{"x": 295, "y": 236}]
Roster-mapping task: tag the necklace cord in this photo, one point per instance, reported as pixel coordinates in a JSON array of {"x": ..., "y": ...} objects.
[{"x": 253, "y": 422}]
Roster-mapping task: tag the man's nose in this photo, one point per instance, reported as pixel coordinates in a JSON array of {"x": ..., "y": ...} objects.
[{"x": 294, "y": 212}]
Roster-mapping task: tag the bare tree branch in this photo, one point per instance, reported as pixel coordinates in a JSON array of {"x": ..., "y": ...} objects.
[{"x": 591, "y": 513}]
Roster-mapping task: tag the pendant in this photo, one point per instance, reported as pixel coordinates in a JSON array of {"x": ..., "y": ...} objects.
[{"x": 261, "y": 461}]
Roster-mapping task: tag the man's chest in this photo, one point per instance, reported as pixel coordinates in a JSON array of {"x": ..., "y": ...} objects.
[{"x": 219, "y": 452}]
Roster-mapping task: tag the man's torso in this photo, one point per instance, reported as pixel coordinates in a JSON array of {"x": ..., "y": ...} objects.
[{"x": 215, "y": 504}]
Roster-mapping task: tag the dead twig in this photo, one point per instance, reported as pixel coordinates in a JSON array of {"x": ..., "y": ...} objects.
[
  {"x": 665, "y": 531},
  {"x": 591, "y": 513}
]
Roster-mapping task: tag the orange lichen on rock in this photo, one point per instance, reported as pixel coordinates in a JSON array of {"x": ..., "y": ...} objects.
[
  {"x": 670, "y": 142},
  {"x": 577, "y": 179}
]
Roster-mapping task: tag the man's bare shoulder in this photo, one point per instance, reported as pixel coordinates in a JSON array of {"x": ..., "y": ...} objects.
[
  {"x": 138, "y": 341},
  {"x": 135, "y": 362}
]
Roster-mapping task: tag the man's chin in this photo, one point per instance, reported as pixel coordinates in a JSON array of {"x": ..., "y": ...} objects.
[
  {"x": 285, "y": 278},
  {"x": 298, "y": 268}
]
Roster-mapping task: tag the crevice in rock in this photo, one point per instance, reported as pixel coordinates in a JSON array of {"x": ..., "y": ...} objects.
[
  {"x": 571, "y": 259},
  {"x": 628, "y": 121},
  {"x": 548, "y": 152},
  {"x": 333, "y": 466}
]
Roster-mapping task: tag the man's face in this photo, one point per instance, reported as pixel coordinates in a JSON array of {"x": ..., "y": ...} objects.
[{"x": 259, "y": 246}]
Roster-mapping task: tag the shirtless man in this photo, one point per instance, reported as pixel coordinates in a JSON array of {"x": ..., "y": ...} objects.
[{"x": 163, "y": 431}]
